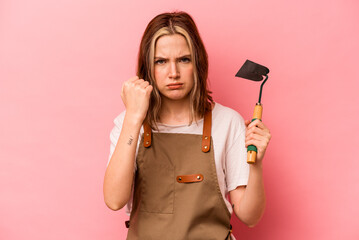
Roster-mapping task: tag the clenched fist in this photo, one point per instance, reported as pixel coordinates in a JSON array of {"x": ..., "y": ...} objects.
[
  {"x": 257, "y": 134},
  {"x": 135, "y": 94}
]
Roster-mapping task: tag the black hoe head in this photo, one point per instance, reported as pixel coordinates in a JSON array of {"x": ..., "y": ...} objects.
[{"x": 252, "y": 71}]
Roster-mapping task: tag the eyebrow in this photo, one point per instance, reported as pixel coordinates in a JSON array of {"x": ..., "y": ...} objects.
[{"x": 188, "y": 56}]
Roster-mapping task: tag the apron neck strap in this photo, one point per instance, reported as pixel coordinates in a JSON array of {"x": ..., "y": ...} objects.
[
  {"x": 147, "y": 135},
  {"x": 207, "y": 127},
  {"x": 206, "y": 136}
]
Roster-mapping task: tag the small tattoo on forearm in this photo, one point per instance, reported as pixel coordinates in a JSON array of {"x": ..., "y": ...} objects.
[{"x": 130, "y": 140}]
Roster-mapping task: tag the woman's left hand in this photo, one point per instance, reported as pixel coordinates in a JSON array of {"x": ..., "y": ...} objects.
[{"x": 257, "y": 134}]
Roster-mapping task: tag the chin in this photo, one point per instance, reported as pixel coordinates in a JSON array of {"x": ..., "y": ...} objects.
[{"x": 177, "y": 97}]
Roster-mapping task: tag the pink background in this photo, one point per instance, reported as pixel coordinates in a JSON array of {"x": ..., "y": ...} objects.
[{"x": 62, "y": 64}]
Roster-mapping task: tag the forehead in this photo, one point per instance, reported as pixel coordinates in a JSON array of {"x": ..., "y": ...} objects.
[{"x": 174, "y": 44}]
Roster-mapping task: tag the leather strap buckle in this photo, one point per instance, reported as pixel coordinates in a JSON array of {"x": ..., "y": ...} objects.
[{"x": 190, "y": 178}]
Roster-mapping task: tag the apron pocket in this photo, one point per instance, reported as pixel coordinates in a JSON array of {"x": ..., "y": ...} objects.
[{"x": 158, "y": 189}]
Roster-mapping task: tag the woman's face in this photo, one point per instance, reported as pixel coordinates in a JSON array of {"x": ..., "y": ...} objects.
[{"x": 173, "y": 67}]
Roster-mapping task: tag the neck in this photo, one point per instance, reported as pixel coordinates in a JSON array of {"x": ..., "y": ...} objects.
[{"x": 175, "y": 112}]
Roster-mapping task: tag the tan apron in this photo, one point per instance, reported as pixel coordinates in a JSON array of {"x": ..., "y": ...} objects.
[{"x": 176, "y": 191}]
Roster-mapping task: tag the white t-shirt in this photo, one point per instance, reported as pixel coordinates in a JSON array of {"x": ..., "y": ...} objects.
[{"x": 230, "y": 153}]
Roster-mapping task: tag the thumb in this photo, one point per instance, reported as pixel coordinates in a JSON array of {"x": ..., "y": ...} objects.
[
  {"x": 149, "y": 89},
  {"x": 247, "y": 122}
]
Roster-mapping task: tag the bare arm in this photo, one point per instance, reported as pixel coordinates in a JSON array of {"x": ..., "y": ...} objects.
[
  {"x": 249, "y": 202},
  {"x": 119, "y": 173}
]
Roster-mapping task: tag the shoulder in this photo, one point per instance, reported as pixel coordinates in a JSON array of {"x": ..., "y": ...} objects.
[
  {"x": 223, "y": 114},
  {"x": 227, "y": 123}
]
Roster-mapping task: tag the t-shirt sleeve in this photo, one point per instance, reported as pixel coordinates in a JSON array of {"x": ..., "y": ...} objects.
[{"x": 236, "y": 158}]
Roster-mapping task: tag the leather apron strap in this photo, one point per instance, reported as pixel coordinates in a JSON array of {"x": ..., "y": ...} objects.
[
  {"x": 147, "y": 135},
  {"x": 206, "y": 136},
  {"x": 207, "y": 128}
]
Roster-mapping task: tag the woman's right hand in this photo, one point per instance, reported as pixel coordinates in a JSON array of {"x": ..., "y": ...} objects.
[{"x": 135, "y": 94}]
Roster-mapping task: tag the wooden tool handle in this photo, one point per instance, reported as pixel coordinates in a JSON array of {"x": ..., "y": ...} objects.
[
  {"x": 258, "y": 109},
  {"x": 251, "y": 157},
  {"x": 252, "y": 150}
]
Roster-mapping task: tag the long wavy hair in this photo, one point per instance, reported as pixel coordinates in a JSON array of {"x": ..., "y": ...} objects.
[{"x": 169, "y": 24}]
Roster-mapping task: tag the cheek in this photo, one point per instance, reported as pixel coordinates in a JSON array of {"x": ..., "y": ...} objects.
[
  {"x": 158, "y": 73},
  {"x": 155, "y": 71},
  {"x": 160, "y": 70},
  {"x": 188, "y": 71}
]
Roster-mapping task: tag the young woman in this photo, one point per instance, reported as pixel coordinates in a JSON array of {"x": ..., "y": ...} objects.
[{"x": 175, "y": 153}]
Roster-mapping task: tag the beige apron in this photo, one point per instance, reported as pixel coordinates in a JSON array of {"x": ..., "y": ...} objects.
[{"x": 176, "y": 191}]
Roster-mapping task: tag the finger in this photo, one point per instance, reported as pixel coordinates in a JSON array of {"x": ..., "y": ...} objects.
[
  {"x": 144, "y": 84},
  {"x": 149, "y": 89},
  {"x": 259, "y": 144},
  {"x": 252, "y": 142},
  {"x": 254, "y": 136},
  {"x": 138, "y": 81},
  {"x": 247, "y": 122},
  {"x": 264, "y": 138},
  {"x": 257, "y": 123},
  {"x": 134, "y": 78},
  {"x": 256, "y": 130},
  {"x": 254, "y": 123}
]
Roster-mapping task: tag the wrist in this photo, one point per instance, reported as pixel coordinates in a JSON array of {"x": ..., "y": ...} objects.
[
  {"x": 134, "y": 119},
  {"x": 258, "y": 165}
]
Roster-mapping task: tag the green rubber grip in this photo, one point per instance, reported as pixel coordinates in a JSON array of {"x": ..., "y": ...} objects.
[{"x": 251, "y": 148}]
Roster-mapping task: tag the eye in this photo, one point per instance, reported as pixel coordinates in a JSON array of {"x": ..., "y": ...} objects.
[
  {"x": 185, "y": 59},
  {"x": 160, "y": 61}
]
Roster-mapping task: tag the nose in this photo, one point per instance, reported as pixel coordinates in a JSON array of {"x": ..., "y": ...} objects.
[{"x": 174, "y": 71}]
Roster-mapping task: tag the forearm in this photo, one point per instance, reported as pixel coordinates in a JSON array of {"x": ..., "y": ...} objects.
[
  {"x": 252, "y": 204},
  {"x": 119, "y": 173}
]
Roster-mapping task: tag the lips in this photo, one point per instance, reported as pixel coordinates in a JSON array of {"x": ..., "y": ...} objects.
[{"x": 175, "y": 85}]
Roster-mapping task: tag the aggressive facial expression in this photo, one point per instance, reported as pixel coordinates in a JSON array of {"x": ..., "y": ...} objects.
[{"x": 173, "y": 67}]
